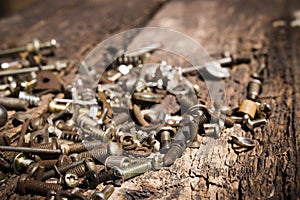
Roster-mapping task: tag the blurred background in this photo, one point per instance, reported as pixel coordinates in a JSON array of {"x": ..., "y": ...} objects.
[{"x": 9, "y": 7}]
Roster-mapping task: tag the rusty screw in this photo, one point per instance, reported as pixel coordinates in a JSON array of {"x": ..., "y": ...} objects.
[{"x": 35, "y": 187}]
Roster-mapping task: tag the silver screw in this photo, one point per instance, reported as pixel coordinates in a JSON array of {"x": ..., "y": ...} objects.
[
  {"x": 35, "y": 46},
  {"x": 56, "y": 66}
]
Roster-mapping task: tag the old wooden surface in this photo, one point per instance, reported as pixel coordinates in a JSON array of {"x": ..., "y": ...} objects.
[{"x": 214, "y": 171}]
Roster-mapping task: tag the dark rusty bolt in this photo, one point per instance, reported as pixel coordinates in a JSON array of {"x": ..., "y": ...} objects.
[
  {"x": 53, "y": 172},
  {"x": 26, "y": 185}
]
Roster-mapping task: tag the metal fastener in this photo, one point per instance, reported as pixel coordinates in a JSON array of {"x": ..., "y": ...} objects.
[
  {"x": 35, "y": 187},
  {"x": 35, "y": 46},
  {"x": 104, "y": 194},
  {"x": 11, "y": 103},
  {"x": 254, "y": 89},
  {"x": 132, "y": 170},
  {"x": 58, "y": 65},
  {"x": 21, "y": 163},
  {"x": 248, "y": 107}
]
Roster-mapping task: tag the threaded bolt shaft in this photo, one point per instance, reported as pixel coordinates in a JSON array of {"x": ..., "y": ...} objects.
[
  {"x": 35, "y": 187},
  {"x": 78, "y": 170},
  {"x": 132, "y": 170},
  {"x": 173, "y": 153},
  {"x": 126, "y": 126},
  {"x": 63, "y": 169}
]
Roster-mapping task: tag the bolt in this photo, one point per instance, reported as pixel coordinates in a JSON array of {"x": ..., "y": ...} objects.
[
  {"x": 165, "y": 134},
  {"x": 92, "y": 179},
  {"x": 33, "y": 100},
  {"x": 56, "y": 66},
  {"x": 21, "y": 163},
  {"x": 254, "y": 89},
  {"x": 61, "y": 170},
  {"x": 11, "y": 103},
  {"x": 35, "y": 46},
  {"x": 25, "y": 185},
  {"x": 132, "y": 170},
  {"x": 31, "y": 150},
  {"x": 97, "y": 154},
  {"x": 80, "y": 147},
  {"x": 175, "y": 151},
  {"x": 3, "y": 116},
  {"x": 48, "y": 164},
  {"x": 126, "y": 126},
  {"x": 116, "y": 161},
  {"x": 104, "y": 194}
]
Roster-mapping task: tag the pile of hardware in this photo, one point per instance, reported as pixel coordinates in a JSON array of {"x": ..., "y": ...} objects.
[{"x": 139, "y": 118}]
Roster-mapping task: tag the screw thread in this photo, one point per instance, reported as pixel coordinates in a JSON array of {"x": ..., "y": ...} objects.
[
  {"x": 71, "y": 136},
  {"x": 98, "y": 154},
  {"x": 33, "y": 100},
  {"x": 96, "y": 132},
  {"x": 48, "y": 164},
  {"x": 172, "y": 154},
  {"x": 126, "y": 126},
  {"x": 43, "y": 145},
  {"x": 78, "y": 170},
  {"x": 129, "y": 60},
  {"x": 41, "y": 187},
  {"x": 136, "y": 169},
  {"x": 62, "y": 169}
]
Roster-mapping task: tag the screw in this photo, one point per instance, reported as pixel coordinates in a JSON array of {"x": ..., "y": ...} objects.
[
  {"x": 92, "y": 179},
  {"x": 132, "y": 170},
  {"x": 3, "y": 116},
  {"x": 80, "y": 170},
  {"x": 33, "y": 100},
  {"x": 254, "y": 89},
  {"x": 222, "y": 62},
  {"x": 175, "y": 151},
  {"x": 58, "y": 65},
  {"x": 97, "y": 154},
  {"x": 11, "y": 103},
  {"x": 116, "y": 161},
  {"x": 104, "y": 194},
  {"x": 35, "y": 187},
  {"x": 21, "y": 163},
  {"x": 165, "y": 135},
  {"x": 35, "y": 46},
  {"x": 31, "y": 150},
  {"x": 80, "y": 147},
  {"x": 61, "y": 170}
]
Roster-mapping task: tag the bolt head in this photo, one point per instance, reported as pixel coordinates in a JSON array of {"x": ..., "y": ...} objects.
[
  {"x": 91, "y": 179},
  {"x": 71, "y": 180}
]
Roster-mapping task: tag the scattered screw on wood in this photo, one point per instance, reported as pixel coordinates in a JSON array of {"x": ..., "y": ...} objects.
[{"x": 60, "y": 149}]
